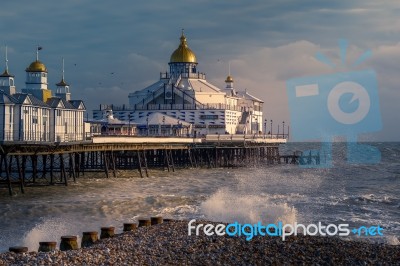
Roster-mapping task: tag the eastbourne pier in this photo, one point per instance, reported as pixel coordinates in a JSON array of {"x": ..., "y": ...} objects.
[
  {"x": 179, "y": 121},
  {"x": 32, "y": 164}
]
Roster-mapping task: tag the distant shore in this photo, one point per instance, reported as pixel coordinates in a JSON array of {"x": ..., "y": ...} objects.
[{"x": 169, "y": 244}]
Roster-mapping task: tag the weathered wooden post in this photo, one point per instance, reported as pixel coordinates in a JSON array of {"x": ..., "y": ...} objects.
[
  {"x": 144, "y": 222},
  {"x": 107, "y": 232},
  {"x": 47, "y": 246},
  {"x": 89, "y": 238},
  {"x": 21, "y": 180},
  {"x": 18, "y": 249},
  {"x": 68, "y": 243},
  {"x": 156, "y": 220},
  {"x": 129, "y": 227}
]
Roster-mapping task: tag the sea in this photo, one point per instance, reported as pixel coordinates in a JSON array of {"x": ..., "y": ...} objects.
[{"x": 352, "y": 193}]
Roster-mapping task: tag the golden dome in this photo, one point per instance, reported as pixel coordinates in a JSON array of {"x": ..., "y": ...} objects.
[
  {"x": 183, "y": 54},
  {"x": 229, "y": 79},
  {"x": 36, "y": 66}
]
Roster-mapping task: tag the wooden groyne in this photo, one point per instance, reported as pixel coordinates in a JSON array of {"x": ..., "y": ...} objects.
[
  {"x": 28, "y": 164},
  {"x": 89, "y": 238}
]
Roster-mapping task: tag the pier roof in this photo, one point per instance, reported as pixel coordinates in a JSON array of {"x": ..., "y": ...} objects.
[
  {"x": 56, "y": 102},
  {"x": 24, "y": 97},
  {"x": 7, "y": 99},
  {"x": 78, "y": 104},
  {"x": 246, "y": 95}
]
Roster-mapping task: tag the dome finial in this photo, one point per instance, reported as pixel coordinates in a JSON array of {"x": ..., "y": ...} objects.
[
  {"x": 62, "y": 83},
  {"x": 6, "y": 71},
  {"x": 6, "y": 74},
  {"x": 38, "y": 48},
  {"x": 63, "y": 68},
  {"x": 183, "y": 39},
  {"x": 229, "y": 78}
]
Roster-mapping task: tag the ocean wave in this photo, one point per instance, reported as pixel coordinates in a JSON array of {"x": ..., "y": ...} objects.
[{"x": 229, "y": 206}]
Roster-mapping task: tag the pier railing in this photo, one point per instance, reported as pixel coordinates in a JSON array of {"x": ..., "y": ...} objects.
[
  {"x": 198, "y": 75},
  {"x": 37, "y": 136},
  {"x": 246, "y": 138},
  {"x": 215, "y": 106}
]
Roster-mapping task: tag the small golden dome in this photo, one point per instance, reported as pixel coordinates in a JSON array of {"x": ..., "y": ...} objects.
[
  {"x": 229, "y": 79},
  {"x": 183, "y": 54},
  {"x": 36, "y": 66},
  {"x": 62, "y": 83}
]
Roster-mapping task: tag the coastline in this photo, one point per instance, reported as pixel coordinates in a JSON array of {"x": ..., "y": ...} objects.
[{"x": 169, "y": 244}]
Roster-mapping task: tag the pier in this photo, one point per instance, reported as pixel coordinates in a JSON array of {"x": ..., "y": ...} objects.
[{"x": 36, "y": 164}]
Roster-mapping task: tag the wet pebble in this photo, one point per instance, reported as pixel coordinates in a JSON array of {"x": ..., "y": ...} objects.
[{"x": 169, "y": 244}]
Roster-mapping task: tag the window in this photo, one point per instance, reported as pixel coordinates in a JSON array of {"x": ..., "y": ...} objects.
[
  {"x": 34, "y": 120},
  {"x": 211, "y": 117},
  {"x": 11, "y": 116}
]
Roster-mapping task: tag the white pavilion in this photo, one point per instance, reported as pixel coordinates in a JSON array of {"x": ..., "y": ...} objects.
[{"x": 184, "y": 94}]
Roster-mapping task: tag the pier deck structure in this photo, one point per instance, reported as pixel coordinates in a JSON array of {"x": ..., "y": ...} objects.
[{"x": 28, "y": 163}]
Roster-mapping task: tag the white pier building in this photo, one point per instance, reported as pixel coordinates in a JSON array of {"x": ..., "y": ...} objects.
[
  {"x": 184, "y": 94},
  {"x": 34, "y": 115}
]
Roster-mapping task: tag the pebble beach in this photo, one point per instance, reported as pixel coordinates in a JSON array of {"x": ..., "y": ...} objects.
[{"x": 169, "y": 244}]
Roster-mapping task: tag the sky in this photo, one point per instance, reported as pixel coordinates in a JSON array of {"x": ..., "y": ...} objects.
[{"x": 112, "y": 48}]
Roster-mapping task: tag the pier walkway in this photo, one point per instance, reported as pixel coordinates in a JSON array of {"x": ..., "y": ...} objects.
[{"x": 51, "y": 163}]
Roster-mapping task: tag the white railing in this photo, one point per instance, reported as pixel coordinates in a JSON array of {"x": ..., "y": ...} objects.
[{"x": 246, "y": 137}]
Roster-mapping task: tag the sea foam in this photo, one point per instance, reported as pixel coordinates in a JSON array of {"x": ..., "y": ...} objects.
[{"x": 229, "y": 206}]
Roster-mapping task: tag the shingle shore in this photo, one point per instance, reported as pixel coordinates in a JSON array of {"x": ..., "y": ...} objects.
[{"x": 169, "y": 244}]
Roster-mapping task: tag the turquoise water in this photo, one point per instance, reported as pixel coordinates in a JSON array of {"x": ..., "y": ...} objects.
[{"x": 355, "y": 194}]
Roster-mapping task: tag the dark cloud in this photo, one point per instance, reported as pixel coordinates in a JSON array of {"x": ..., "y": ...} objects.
[{"x": 266, "y": 41}]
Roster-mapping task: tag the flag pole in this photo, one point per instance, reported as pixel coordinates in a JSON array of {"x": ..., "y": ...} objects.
[
  {"x": 37, "y": 51},
  {"x": 6, "y": 60}
]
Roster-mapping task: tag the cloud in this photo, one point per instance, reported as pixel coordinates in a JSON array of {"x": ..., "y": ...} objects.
[
  {"x": 265, "y": 71},
  {"x": 266, "y": 41},
  {"x": 108, "y": 95}
]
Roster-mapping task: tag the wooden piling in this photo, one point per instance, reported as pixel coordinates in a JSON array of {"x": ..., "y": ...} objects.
[
  {"x": 112, "y": 159},
  {"x": 156, "y": 220},
  {"x": 47, "y": 246},
  {"x": 10, "y": 191},
  {"x": 20, "y": 177},
  {"x": 18, "y": 249},
  {"x": 129, "y": 227},
  {"x": 89, "y": 238},
  {"x": 44, "y": 166},
  {"x": 63, "y": 174},
  {"x": 144, "y": 222},
  {"x": 68, "y": 243},
  {"x": 107, "y": 232},
  {"x": 52, "y": 169}
]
